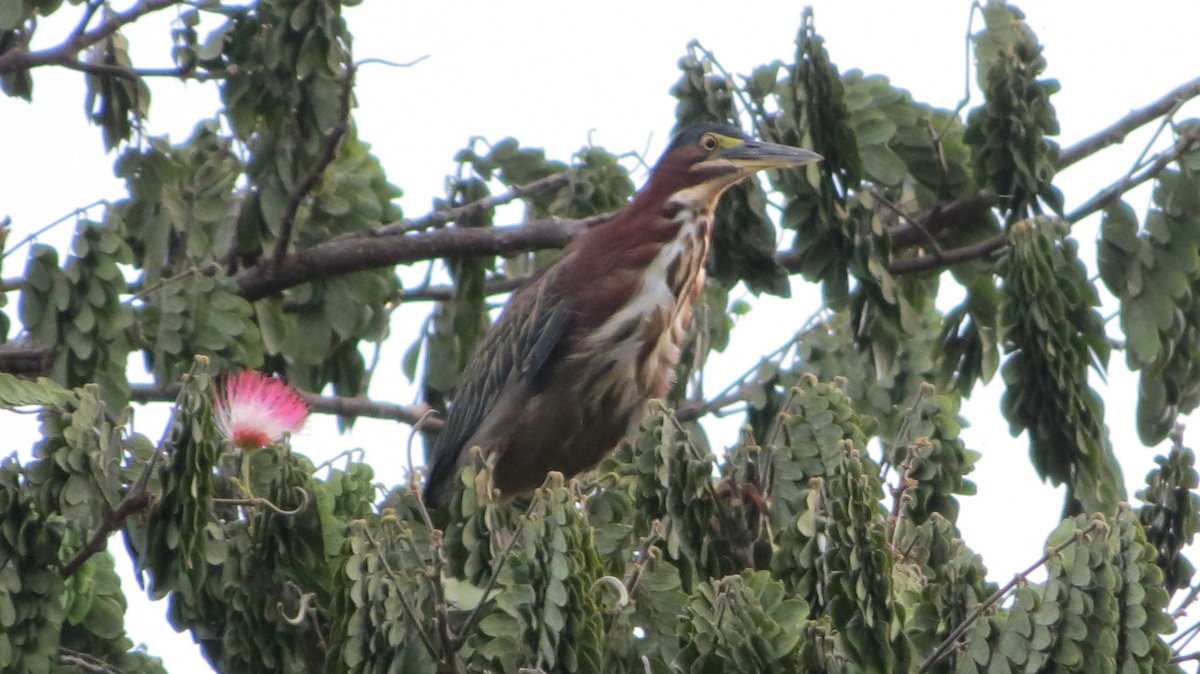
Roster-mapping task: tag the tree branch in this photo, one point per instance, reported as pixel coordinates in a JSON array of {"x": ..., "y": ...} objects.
[
  {"x": 946, "y": 258},
  {"x": 89, "y": 11},
  {"x": 494, "y": 285},
  {"x": 328, "y": 154},
  {"x": 23, "y": 358},
  {"x": 341, "y": 406},
  {"x": 347, "y": 255},
  {"x": 943, "y": 217},
  {"x": 1115, "y": 191},
  {"x": 66, "y": 53},
  {"x": 448, "y": 215},
  {"x": 943, "y": 648},
  {"x": 135, "y": 501},
  {"x": 1116, "y": 132},
  {"x": 106, "y": 70},
  {"x": 943, "y": 259},
  {"x": 693, "y": 410},
  {"x": 84, "y": 662}
]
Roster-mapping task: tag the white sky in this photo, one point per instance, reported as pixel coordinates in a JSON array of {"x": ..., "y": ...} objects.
[{"x": 558, "y": 74}]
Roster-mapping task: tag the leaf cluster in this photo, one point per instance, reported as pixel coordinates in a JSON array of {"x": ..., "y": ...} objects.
[
  {"x": 1007, "y": 136},
  {"x": 1155, "y": 273},
  {"x": 1053, "y": 336}
]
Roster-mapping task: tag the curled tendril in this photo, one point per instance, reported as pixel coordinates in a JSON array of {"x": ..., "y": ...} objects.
[
  {"x": 417, "y": 488},
  {"x": 302, "y": 610},
  {"x": 616, "y": 584},
  {"x": 260, "y": 502}
]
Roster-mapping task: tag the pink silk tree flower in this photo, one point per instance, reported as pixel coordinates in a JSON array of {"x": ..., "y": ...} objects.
[{"x": 253, "y": 410}]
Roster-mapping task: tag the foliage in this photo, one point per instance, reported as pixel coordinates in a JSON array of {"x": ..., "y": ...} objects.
[
  {"x": 1155, "y": 274},
  {"x": 824, "y": 539},
  {"x": 1053, "y": 336},
  {"x": 1007, "y": 134},
  {"x": 1171, "y": 512}
]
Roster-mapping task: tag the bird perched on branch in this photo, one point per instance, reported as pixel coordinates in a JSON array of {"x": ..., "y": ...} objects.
[{"x": 566, "y": 371}]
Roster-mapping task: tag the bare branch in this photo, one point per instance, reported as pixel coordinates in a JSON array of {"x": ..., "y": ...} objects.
[
  {"x": 26, "y": 359},
  {"x": 66, "y": 53},
  {"x": 1116, "y": 190},
  {"x": 341, "y": 406},
  {"x": 106, "y": 70},
  {"x": 1116, "y": 132},
  {"x": 409, "y": 611},
  {"x": 448, "y": 215},
  {"x": 84, "y": 662},
  {"x": 76, "y": 213},
  {"x": 691, "y": 411},
  {"x": 946, "y": 258},
  {"x": 90, "y": 11},
  {"x": 944, "y": 217},
  {"x": 943, "y": 648},
  {"x": 328, "y": 154},
  {"x": 135, "y": 501},
  {"x": 495, "y": 285},
  {"x": 497, "y": 566},
  {"x": 347, "y": 255}
]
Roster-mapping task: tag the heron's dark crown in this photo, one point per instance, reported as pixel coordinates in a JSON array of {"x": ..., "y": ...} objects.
[{"x": 691, "y": 134}]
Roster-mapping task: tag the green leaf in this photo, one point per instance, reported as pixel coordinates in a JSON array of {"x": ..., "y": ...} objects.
[{"x": 883, "y": 164}]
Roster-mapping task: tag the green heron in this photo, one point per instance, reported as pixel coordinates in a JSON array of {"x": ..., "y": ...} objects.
[{"x": 566, "y": 371}]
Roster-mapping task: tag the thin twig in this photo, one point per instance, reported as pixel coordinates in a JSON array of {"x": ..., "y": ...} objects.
[
  {"x": 341, "y": 406},
  {"x": 968, "y": 42},
  {"x": 947, "y": 258},
  {"x": 1118, "y": 130},
  {"x": 88, "y": 12},
  {"x": 1117, "y": 189},
  {"x": 42, "y": 230},
  {"x": 20, "y": 58},
  {"x": 333, "y": 139},
  {"x": 404, "y": 603},
  {"x": 1181, "y": 610},
  {"x": 738, "y": 92},
  {"x": 495, "y": 285},
  {"x": 135, "y": 74},
  {"x": 653, "y": 535},
  {"x": 84, "y": 662},
  {"x": 435, "y": 575},
  {"x": 348, "y": 454},
  {"x": 1098, "y": 202},
  {"x": 135, "y": 501},
  {"x": 497, "y": 567},
  {"x": 945, "y": 647},
  {"x": 1183, "y": 637},
  {"x": 447, "y": 215},
  {"x": 385, "y": 327},
  {"x": 691, "y": 411},
  {"x": 206, "y": 268},
  {"x": 957, "y": 214}
]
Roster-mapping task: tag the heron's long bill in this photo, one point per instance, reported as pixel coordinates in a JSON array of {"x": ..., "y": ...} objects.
[{"x": 757, "y": 154}]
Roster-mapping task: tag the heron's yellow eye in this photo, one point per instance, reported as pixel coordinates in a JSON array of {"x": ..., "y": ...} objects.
[{"x": 709, "y": 142}]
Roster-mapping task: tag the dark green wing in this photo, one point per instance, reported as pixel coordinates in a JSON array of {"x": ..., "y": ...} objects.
[{"x": 517, "y": 348}]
